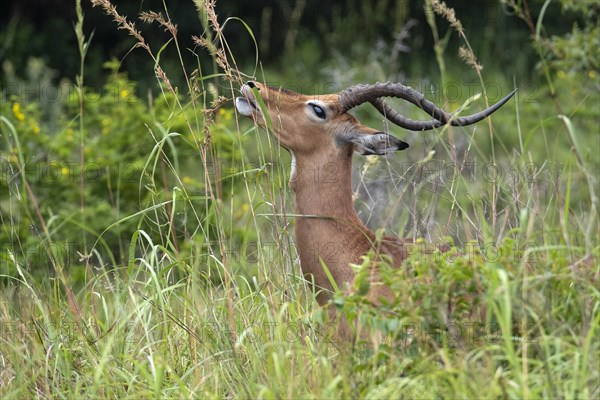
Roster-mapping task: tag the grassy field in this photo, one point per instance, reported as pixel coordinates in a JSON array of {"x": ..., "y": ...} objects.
[{"x": 148, "y": 249}]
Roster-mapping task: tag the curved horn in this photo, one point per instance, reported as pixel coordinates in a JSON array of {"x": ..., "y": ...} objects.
[
  {"x": 359, "y": 94},
  {"x": 407, "y": 123}
]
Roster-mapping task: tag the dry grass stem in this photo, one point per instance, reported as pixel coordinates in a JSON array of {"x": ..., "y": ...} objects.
[
  {"x": 122, "y": 22},
  {"x": 467, "y": 55},
  {"x": 152, "y": 16},
  {"x": 440, "y": 8}
]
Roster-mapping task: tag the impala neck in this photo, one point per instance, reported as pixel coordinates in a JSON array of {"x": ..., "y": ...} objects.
[
  {"x": 323, "y": 186},
  {"x": 327, "y": 227}
]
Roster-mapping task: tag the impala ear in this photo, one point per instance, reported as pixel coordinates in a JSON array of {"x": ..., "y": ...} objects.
[{"x": 379, "y": 143}]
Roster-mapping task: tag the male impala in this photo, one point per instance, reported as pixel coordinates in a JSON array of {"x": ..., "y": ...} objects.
[{"x": 321, "y": 136}]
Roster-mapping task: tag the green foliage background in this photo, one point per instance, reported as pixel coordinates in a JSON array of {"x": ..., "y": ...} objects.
[{"x": 147, "y": 246}]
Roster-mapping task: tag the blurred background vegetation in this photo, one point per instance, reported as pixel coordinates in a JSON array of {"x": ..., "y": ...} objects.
[
  {"x": 299, "y": 37},
  {"x": 146, "y": 246},
  {"x": 311, "y": 46}
]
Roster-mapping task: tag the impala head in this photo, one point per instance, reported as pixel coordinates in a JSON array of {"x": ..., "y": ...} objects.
[
  {"x": 313, "y": 124},
  {"x": 310, "y": 124}
]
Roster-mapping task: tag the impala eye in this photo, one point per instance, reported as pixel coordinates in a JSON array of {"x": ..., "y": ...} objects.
[{"x": 319, "y": 112}]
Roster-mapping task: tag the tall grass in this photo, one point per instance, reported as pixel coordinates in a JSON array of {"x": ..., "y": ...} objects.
[{"x": 215, "y": 306}]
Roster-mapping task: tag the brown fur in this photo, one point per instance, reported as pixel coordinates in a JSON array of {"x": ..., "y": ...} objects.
[{"x": 327, "y": 226}]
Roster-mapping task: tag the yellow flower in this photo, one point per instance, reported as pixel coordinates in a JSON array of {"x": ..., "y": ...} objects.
[
  {"x": 227, "y": 114},
  {"x": 36, "y": 129},
  {"x": 561, "y": 74},
  {"x": 245, "y": 207},
  {"x": 124, "y": 93},
  {"x": 187, "y": 180},
  {"x": 64, "y": 171},
  {"x": 106, "y": 124},
  {"x": 16, "y": 109},
  {"x": 592, "y": 74}
]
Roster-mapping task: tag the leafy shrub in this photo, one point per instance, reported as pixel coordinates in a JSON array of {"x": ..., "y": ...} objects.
[{"x": 94, "y": 187}]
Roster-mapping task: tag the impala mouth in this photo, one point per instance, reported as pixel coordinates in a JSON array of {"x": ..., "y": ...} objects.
[{"x": 246, "y": 105}]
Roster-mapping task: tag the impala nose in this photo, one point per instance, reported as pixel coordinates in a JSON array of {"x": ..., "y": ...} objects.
[{"x": 251, "y": 84}]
